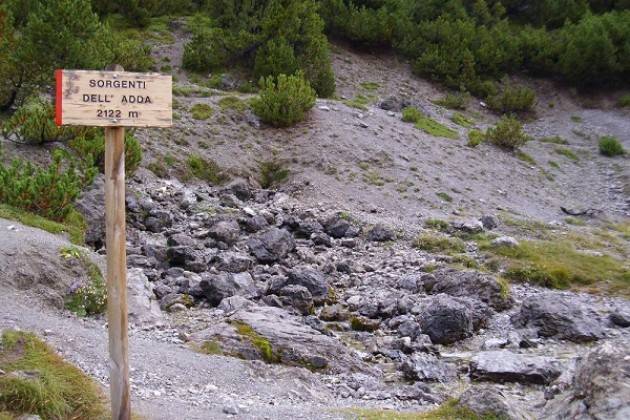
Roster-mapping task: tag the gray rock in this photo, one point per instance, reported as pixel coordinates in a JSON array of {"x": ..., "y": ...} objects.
[
  {"x": 172, "y": 299},
  {"x": 505, "y": 366},
  {"x": 158, "y": 220},
  {"x": 506, "y": 241},
  {"x": 338, "y": 227},
  {"x": 234, "y": 303},
  {"x": 334, "y": 312},
  {"x": 488, "y": 402},
  {"x": 229, "y": 200},
  {"x": 180, "y": 255},
  {"x": 253, "y": 224},
  {"x": 307, "y": 227},
  {"x": 552, "y": 315},
  {"x": 600, "y": 386},
  {"x": 446, "y": 320},
  {"x": 298, "y": 297},
  {"x": 426, "y": 367},
  {"x": 240, "y": 188},
  {"x": 320, "y": 238},
  {"x": 271, "y": 246},
  {"x": 410, "y": 282},
  {"x": 224, "y": 231},
  {"x": 180, "y": 239},
  {"x": 620, "y": 318},
  {"x": 381, "y": 233},
  {"x": 489, "y": 222},
  {"x": 273, "y": 335},
  {"x": 232, "y": 262},
  {"x": 473, "y": 284},
  {"x": 315, "y": 281},
  {"x": 91, "y": 205},
  {"x": 470, "y": 226},
  {"x": 143, "y": 309},
  {"x": 217, "y": 287}
]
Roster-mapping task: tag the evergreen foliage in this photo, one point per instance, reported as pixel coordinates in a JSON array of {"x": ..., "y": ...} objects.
[
  {"x": 34, "y": 123},
  {"x": 284, "y": 100},
  {"x": 508, "y": 133}
]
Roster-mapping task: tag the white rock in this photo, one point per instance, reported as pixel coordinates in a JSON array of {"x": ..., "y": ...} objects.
[{"x": 505, "y": 241}]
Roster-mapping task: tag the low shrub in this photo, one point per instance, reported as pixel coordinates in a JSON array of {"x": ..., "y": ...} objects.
[
  {"x": 201, "y": 111},
  {"x": 48, "y": 192},
  {"x": 272, "y": 173},
  {"x": 439, "y": 243},
  {"x": 206, "y": 170},
  {"x": 508, "y": 133},
  {"x": 624, "y": 101},
  {"x": 34, "y": 123},
  {"x": 457, "y": 101},
  {"x": 411, "y": 114},
  {"x": 475, "y": 137},
  {"x": 428, "y": 125},
  {"x": 285, "y": 101},
  {"x": 511, "y": 99},
  {"x": 610, "y": 146},
  {"x": 89, "y": 149}
]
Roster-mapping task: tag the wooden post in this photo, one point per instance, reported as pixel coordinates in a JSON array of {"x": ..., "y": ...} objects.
[{"x": 116, "y": 243}]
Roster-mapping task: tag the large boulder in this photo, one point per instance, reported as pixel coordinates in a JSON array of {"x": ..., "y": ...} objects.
[
  {"x": 232, "y": 262},
  {"x": 473, "y": 284},
  {"x": 225, "y": 231},
  {"x": 488, "y": 402},
  {"x": 216, "y": 287},
  {"x": 272, "y": 335},
  {"x": 46, "y": 264},
  {"x": 91, "y": 204},
  {"x": 446, "y": 320},
  {"x": 600, "y": 388},
  {"x": 315, "y": 281},
  {"x": 339, "y": 226},
  {"x": 143, "y": 309},
  {"x": 553, "y": 315},
  {"x": 505, "y": 366},
  {"x": 381, "y": 233},
  {"x": 426, "y": 367},
  {"x": 272, "y": 245}
]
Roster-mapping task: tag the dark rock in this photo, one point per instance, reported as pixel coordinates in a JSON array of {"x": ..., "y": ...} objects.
[
  {"x": 161, "y": 290},
  {"x": 409, "y": 328},
  {"x": 179, "y": 255},
  {"x": 240, "y": 188},
  {"x": 224, "y": 231},
  {"x": 158, "y": 220},
  {"x": 446, "y": 320},
  {"x": 505, "y": 366},
  {"x": 600, "y": 386},
  {"x": 488, "y": 402},
  {"x": 307, "y": 227},
  {"x": 338, "y": 227},
  {"x": 91, "y": 205},
  {"x": 217, "y": 287},
  {"x": 426, "y": 367},
  {"x": 349, "y": 242},
  {"x": 314, "y": 280},
  {"x": 320, "y": 238},
  {"x": 297, "y": 296},
  {"x": 410, "y": 282},
  {"x": 230, "y": 200},
  {"x": 272, "y": 245},
  {"x": 489, "y": 222},
  {"x": 174, "y": 298},
  {"x": 471, "y": 284},
  {"x": 334, "y": 312},
  {"x": 232, "y": 262},
  {"x": 381, "y": 233},
  {"x": 620, "y": 318},
  {"x": 253, "y": 224},
  {"x": 557, "y": 316},
  {"x": 180, "y": 239},
  {"x": 344, "y": 266}
]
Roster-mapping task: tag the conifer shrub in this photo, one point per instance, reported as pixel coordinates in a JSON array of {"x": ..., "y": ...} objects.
[
  {"x": 610, "y": 146},
  {"x": 508, "y": 133},
  {"x": 512, "y": 98},
  {"x": 284, "y": 101},
  {"x": 34, "y": 123},
  {"x": 48, "y": 192},
  {"x": 89, "y": 150}
]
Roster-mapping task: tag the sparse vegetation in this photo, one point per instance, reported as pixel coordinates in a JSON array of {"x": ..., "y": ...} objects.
[
  {"x": 206, "y": 170},
  {"x": 450, "y": 410},
  {"x": 427, "y": 124},
  {"x": 285, "y": 101},
  {"x": 437, "y": 224},
  {"x": 201, "y": 111},
  {"x": 456, "y": 100},
  {"x": 439, "y": 243},
  {"x": 444, "y": 196},
  {"x": 37, "y": 381},
  {"x": 508, "y": 133},
  {"x": 259, "y": 342},
  {"x": 91, "y": 298},
  {"x": 525, "y": 157},
  {"x": 566, "y": 152},
  {"x": 475, "y": 137},
  {"x": 624, "y": 101},
  {"x": 272, "y": 173},
  {"x": 74, "y": 225},
  {"x": 553, "y": 140},
  {"x": 462, "y": 120},
  {"x": 610, "y": 146},
  {"x": 232, "y": 103},
  {"x": 359, "y": 102}
]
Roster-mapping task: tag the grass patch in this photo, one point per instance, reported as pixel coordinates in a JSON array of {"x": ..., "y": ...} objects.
[
  {"x": 624, "y": 101},
  {"x": 372, "y": 177},
  {"x": 475, "y": 138},
  {"x": 450, "y": 410},
  {"x": 554, "y": 164},
  {"x": 444, "y": 197},
  {"x": 439, "y": 243},
  {"x": 232, "y": 103},
  {"x": 576, "y": 118},
  {"x": 453, "y": 101},
  {"x": 359, "y": 102},
  {"x": 272, "y": 173},
  {"x": 74, "y": 225},
  {"x": 90, "y": 299},
  {"x": 428, "y": 125},
  {"x": 525, "y": 157},
  {"x": 462, "y": 120},
  {"x": 574, "y": 221},
  {"x": 38, "y": 381},
  {"x": 206, "y": 170},
  {"x": 610, "y": 146},
  {"x": 370, "y": 86},
  {"x": 259, "y": 342},
  {"x": 437, "y": 224},
  {"x": 558, "y": 264},
  {"x": 211, "y": 347},
  {"x": 553, "y": 140},
  {"x": 201, "y": 111},
  {"x": 568, "y": 153}
]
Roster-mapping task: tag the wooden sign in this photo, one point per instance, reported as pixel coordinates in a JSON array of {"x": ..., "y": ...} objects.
[{"x": 113, "y": 99}]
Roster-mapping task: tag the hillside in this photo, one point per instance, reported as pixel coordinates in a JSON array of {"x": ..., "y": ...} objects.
[{"x": 350, "y": 266}]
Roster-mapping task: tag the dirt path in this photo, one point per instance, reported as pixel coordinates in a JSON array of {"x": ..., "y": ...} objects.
[{"x": 169, "y": 381}]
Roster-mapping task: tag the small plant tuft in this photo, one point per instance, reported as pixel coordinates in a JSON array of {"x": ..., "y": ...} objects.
[
  {"x": 610, "y": 146},
  {"x": 89, "y": 299},
  {"x": 457, "y": 101},
  {"x": 272, "y": 173},
  {"x": 439, "y": 243},
  {"x": 475, "y": 138},
  {"x": 206, "y": 170},
  {"x": 508, "y": 133},
  {"x": 201, "y": 111}
]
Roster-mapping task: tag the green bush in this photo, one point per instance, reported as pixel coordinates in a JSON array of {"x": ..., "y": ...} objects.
[
  {"x": 624, "y": 101},
  {"x": 34, "y": 123},
  {"x": 201, "y": 111},
  {"x": 284, "y": 102},
  {"x": 457, "y": 100},
  {"x": 411, "y": 114},
  {"x": 48, "y": 192},
  {"x": 206, "y": 170},
  {"x": 475, "y": 137},
  {"x": 89, "y": 149},
  {"x": 508, "y": 133},
  {"x": 512, "y": 99},
  {"x": 610, "y": 146}
]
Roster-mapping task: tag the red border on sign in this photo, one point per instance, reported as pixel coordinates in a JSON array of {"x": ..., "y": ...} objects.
[{"x": 58, "y": 96}]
